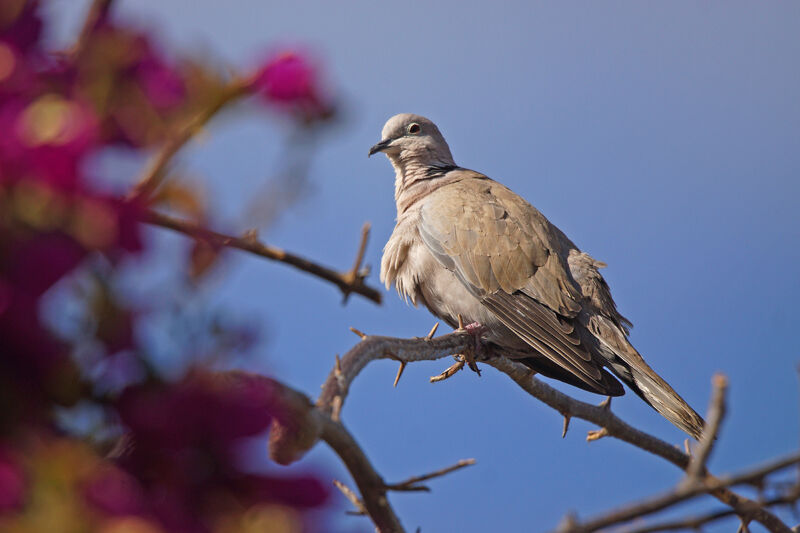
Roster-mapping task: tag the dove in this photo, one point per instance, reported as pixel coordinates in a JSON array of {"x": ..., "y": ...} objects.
[{"x": 467, "y": 247}]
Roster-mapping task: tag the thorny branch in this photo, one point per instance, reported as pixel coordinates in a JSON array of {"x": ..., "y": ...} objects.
[
  {"x": 615, "y": 427},
  {"x": 697, "y": 522},
  {"x": 348, "y": 282},
  {"x": 413, "y": 483},
  {"x": 301, "y": 425},
  {"x": 680, "y": 494},
  {"x": 335, "y": 389}
]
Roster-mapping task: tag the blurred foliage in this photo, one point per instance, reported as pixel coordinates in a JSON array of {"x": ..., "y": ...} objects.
[{"x": 92, "y": 436}]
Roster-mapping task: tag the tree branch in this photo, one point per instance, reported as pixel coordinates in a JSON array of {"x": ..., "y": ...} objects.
[
  {"x": 335, "y": 389},
  {"x": 347, "y": 282},
  {"x": 716, "y": 412},
  {"x": 682, "y": 493},
  {"x": 697, "y": 522},
  {"x": 370, "y": 484},
  {"x": 298, "y": 426},
  {"x": 372, "y": 347},
  {"x": 155, "y": 172},
  {"x": 98, "y": 11},
  {"x": 413, "y": 483}
]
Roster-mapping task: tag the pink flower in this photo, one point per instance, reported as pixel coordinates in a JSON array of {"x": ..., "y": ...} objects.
[
  {"x": 162, "y": 85},
  {"x": 45, "y": 138},
  {"x": 186, "y": 441},
  {"x": 12, "y": 483},
  {"x": 20, "y": 24},
  {"x": 115, "y": 492},
  {"x": 290, "y": 80}
]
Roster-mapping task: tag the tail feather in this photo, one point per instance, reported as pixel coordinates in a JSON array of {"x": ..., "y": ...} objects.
[
  {"x": 663, "y": 398},
  {"x": 628, "y": 365}
]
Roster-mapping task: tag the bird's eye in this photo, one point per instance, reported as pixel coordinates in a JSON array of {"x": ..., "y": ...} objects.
[{"x": 414, "y": 128}]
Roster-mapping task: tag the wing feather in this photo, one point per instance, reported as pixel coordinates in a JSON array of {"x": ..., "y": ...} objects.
[{"x": 509, "y": 256}]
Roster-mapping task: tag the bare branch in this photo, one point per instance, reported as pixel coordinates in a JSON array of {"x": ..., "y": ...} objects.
[
  {"x": 413, "y": 483},
  {"x": 615, "y": 427},
  {"x": 156, "y": 170},
  {"x": 356, "y": 274},
  {"x": 410, "y": 350},
  {"x": 98, "y": 11},
  {"x": 697, "y": 522},
  {"x": 716, "y": 412},
  {"x": 249, "y": 244},
  {"x": 682, "y": 493},
  {"x": 376, "y": 347}
]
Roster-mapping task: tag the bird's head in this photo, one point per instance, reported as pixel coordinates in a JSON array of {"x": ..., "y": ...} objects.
[{"x": 412, "y": 138}]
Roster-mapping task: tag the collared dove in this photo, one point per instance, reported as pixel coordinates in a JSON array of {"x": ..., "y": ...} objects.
[{"x": 466, "y": 245}]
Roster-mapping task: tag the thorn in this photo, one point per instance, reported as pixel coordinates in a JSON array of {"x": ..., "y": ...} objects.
[
  {"x": 605, "y": 404},
  {"x": 566, "y": 426},
  {"x": 359, "y": 333},
  {"x": 569, "y": 522},
  {"x": 337, "y": 368},
  {"x": 399, "y": 372},
  {"x": 460, "y": 323},
  {"x": 596, "y": 435},
  {"x": 432, "y": 331},
  {"x": 686, "y": 447},
  {"x": 336, "y": 408},
  {"x": 250, "y": 235}
]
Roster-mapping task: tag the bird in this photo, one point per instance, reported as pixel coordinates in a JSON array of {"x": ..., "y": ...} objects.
[{"x": 468, "y": 248}]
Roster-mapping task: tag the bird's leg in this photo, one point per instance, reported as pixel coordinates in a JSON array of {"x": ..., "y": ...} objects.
[{"x": 478, "y": 351}]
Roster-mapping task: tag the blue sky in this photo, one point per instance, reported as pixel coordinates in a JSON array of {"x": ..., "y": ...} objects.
[{"x": 661, "y": 137}]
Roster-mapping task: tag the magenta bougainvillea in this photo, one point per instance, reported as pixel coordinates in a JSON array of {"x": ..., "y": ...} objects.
[{"x": 175, "y": 461}]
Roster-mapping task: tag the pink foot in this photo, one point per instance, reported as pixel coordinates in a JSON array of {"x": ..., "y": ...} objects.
[{"x": 476, "y": 331}]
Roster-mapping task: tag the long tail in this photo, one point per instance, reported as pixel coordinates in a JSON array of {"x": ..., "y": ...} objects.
[{"x": 655, "y": 391}]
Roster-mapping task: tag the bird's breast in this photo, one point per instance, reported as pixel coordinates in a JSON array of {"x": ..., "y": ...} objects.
[{"x": 419, "y": 277}]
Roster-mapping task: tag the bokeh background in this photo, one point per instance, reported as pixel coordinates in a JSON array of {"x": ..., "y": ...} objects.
[{"x": 663, "y": 138}]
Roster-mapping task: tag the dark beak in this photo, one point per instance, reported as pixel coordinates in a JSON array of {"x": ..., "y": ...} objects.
[{"x": 380, "y": 147}]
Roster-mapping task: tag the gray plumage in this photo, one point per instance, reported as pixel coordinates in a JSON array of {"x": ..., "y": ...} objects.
[{"x": 466, "y": 245}]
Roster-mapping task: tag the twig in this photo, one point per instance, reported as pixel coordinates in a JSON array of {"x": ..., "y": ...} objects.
[
  {"x": 249, "y": 244},
  {"x": 615, "y": 427},
  {"x": 682, "y": 493},
  {"x": 98, "y": 11},
  {"x": 370, "y": 484},
  {"x": 155, "y": 172},
  {"x": 352, "y": 496},
  {"x": 716, "y": 412},
  {"x": 355, "y": 274},
  {"x": 697, "y": 522},
  {"x": 413, "y": 483}
]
